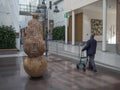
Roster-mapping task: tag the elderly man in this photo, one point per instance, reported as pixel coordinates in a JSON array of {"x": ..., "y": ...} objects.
[{"x": 91, "y": 51}]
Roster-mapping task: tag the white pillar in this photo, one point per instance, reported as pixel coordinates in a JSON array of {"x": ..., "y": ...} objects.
[
  {"x": 73, "y": 28},
  {"x": 18, "y": 43},
  {"x": 104, "y": 37},
  {"x": 66, "y": 30},
  {"x": 48, "y": 19}
]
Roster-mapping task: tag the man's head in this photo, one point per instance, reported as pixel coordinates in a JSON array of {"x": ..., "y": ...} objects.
[{"x": 92, "y": 35}]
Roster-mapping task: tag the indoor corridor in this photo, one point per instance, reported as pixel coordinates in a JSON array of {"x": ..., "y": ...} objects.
[{"x": 61, "y": 75}]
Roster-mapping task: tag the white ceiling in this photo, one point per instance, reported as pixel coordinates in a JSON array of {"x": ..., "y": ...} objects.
[
  {"x": 111, "y": 6},
  {"x": 97, "y": 6}
]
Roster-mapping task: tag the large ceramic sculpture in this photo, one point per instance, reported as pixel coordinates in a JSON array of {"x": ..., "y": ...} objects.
[{"x": 35, "y": 64}]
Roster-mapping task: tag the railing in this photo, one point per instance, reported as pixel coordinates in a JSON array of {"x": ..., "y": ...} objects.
[
  {"x": 59, "y": 47},
  {"x": 27, "y": 8}
]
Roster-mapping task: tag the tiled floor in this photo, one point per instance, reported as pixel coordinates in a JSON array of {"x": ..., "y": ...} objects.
[
  {"x": 8, "y": 51},
  {"x": 106, "y": 59},
  {"x": 61, "y": 75}
]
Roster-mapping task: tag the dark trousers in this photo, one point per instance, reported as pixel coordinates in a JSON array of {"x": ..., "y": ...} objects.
[{"x": 92, "y": 65}]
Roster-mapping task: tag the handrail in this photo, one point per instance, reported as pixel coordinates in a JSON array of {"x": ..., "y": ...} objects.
[
  {"x": 27, "y": 8},
  {"x": 27, "y": 5}
]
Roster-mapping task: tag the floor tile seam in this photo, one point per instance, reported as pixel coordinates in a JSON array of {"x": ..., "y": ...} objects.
[{"x": 97, "y": 62}]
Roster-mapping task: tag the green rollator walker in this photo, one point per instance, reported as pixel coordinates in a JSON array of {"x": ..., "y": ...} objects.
[{"x": 83, "y": 62}]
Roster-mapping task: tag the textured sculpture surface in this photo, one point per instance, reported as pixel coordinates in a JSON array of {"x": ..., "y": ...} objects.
[
  {"x": 35, "y": 67},
  {"x": 35, "y": 64}
]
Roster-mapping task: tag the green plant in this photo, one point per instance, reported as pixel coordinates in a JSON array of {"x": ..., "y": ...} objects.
[
  {"x": 59, "y": 33},
  {"x": 7, "y": 37}
]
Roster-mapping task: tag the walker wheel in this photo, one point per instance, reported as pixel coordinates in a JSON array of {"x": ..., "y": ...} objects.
[
  {"x": 77, "y": 66},
  {"x": 84, "y": 67}
]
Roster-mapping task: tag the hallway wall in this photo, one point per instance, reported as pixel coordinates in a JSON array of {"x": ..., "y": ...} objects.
[
  {"x": 9, "y": 14},
  {"x": 118, "y": 26},
  {"x": 70, "y": 29},
  {"x": 89, "y": 13},
  {"x": 58, "y": 18},
  {"x": 87, "y": 16},
  {"x": 76, "y": 4},
  {"x": 78, "y": 27},
  {"x": 9, "y": 11}
]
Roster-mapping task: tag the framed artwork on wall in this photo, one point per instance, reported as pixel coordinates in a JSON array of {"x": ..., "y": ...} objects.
[{"x": 96, "y": 26}]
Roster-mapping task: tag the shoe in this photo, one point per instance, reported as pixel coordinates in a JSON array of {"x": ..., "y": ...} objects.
[
  {"x": 90, "y": 69},
  {"x": 95, "y": 71}
]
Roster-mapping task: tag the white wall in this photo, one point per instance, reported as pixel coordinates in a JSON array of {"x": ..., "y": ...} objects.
[
  {"x": 24, "y": 1},
  {"x": 76, "y": 4},
  {"x": 9, "y": 12},
  {"x": 23, "y": 20},
  {"x": 94, "y": 11},
  {"x": 87, "y": 16},
  {"x": 111, "y": 27},
  {"x": 58, "y": 18}
]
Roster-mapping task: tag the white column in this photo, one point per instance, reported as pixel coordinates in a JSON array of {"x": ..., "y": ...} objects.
[
  {"x": 66, "y": 30},
  {"x": 104, "y": 37},
  {"x": 48, "y": 19},
  {"x": 18, "y": 43},
  {"x": 73, "y": 28},
  {"x": 48, "y": 35}
]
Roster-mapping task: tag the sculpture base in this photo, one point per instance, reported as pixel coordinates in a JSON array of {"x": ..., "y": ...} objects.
[{"x": 35, "y": 67}]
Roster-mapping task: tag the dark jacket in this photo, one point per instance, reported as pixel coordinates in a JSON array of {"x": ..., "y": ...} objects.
[{"x": 90, "y": 47}]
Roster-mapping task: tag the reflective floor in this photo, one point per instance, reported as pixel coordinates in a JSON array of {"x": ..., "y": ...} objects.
[{"x": 61, "y": 75}]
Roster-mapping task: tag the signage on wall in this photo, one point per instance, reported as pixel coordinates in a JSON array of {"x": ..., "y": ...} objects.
[{"x": 66, "y": 15}]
